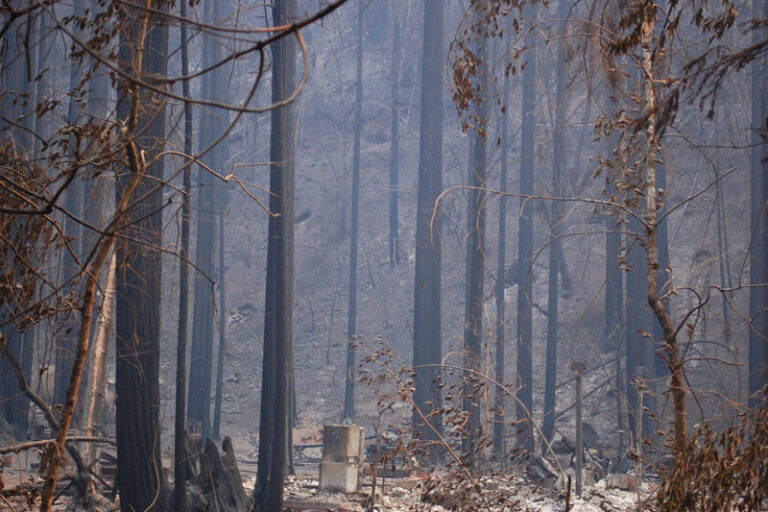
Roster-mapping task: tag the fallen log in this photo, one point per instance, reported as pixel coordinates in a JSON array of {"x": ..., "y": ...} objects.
[{"x": 16, "y": 448}]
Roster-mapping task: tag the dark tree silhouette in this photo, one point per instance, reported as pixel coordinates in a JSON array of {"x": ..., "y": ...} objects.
[
  {"x": 639, "y": 319},
  {"x": 657, "y": 357},
  {"x": 473, "y": 293},
  {"x": 559, "y": 150},
  {"x": 66, "y": 343},
  {"x": 222, "y": 205},
  {"x": 212, "y": 124},
  {"x": 96, "y": 190},
  {"x": 394, "y": 154},
  {"x": 143, "y": 39},
  {"x": 427, "y": 349},
  {"x": 758, "y": 269},
  {"x": 14, "y": 130},
  {"x": 348, "y": 414},
  {"x": 180, "y": 427},
  {"x": 501, "y": 278},
  {"x": 277, "y": 362},
  {"x": 615, "y": 308},
  {"x": 525, "y": 245},
  {"x": 221, "y": 355}
]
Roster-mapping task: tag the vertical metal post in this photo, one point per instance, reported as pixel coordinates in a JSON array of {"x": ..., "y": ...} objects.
[{"x": 579, "y": 368}]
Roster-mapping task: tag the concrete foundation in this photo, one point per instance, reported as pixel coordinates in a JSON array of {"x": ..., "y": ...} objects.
[
  {"x": 342, "y": 458},
  {"x": 339, "y": 477}
]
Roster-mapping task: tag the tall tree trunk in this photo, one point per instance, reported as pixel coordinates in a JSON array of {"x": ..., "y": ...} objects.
[
  {"x": 180, "y": 430},
  {"x": 674, "y": 361},
  {"x": 277, "y": 363},
  {"x": 212, "y": 125},
  {"x": 10, "y": 73},
  {"x": 143, "y": 50},
  {"x": 65, "y": 344},
  {"x": 758, "y": 269},
  {"x": 21, "y": 402},
  {"x": 559, "y": 150},
  {"x": 639, "y": 322},
  {"x": 97, "y": 190},
  {"x": 40, "y": 125},
  {"x": 55, "y": 453},
  {"x": 224, "y": 95},
  {"x": 98, "y": 374},
  {"x": 17, "y": 107},
  {"x": 394, "y": 156},
  {"x": 499, "y": 448},
  {"x": 525, "y": 247},
  {"x": 615, "y": 307},
  {"x": 657, "y": 354},
  {"x": 473, "y": 298},
  {"x": 222, "y": 324},
  {"x": 722, "y": 247},
  {"x": 349, "y": 388},
  {"x": 427, "y": 346},
  {"x": 656, "y": 351},
  {"x": 137, "y": 420}
]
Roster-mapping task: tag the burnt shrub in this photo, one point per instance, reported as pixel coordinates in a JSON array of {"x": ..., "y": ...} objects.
[{"x": 721, "y": 470}]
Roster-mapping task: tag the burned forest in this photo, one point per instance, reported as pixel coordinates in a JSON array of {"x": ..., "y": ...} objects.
[{"x": 384, "y": 255}]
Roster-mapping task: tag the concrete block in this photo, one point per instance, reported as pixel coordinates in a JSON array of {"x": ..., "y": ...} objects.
[
  {"x": 339, "y": 477},
  {"x": 342, "y": 443}
]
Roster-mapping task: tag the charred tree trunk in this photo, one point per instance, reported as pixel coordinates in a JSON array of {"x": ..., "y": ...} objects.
[
  {"x": 473, "y": 298},
  {"x": 277, "y": 362},
  {"x": 143, "y": 50},
  {"x": 14, "y": 77},
  {"x": 66, "y": 344},
  {"x": 657, "y": 356},
  {"x": 657, "y": 353},
  {"x": 97, "y": 190},
  {"x": 180, "y": 430},
  {"x": 722, "y": 249},
  {"x": 758, "y": 269},
  {"x": 222, "y": 327},
  {"x": 525, "y": 248},
  {"x": 427, "y": 346},
  {"x": 16, "y": 126},
  {"x": 615, "y": 307},
  {"x": 348, "y": 415},
  {"x": 499, "y": 448},
  {"x": 19, "y": 253},
  {"x": 212, "y": 125},
  {"x": 639, "y": 320},
  {"x": 559, "y": 150},
  {"x": 394, "y": 155},
  {"x": 222, "y": 204}
]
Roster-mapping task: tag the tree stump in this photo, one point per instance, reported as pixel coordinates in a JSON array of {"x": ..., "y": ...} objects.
[{"x": 214, "y": 479}]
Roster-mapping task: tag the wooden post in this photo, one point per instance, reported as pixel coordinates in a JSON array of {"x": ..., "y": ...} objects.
[{"x": 579, "y": 368}]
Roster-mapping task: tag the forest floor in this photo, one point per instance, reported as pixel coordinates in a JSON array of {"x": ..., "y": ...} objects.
[
  {"x": 402, "y": 491},
  {"x": 407, "y": 494}
]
